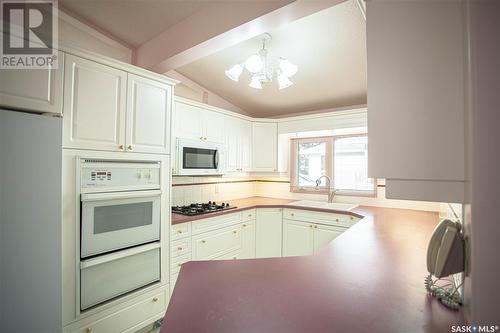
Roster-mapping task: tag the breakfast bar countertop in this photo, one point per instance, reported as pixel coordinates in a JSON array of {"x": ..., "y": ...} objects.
[{"x": 369, "y": 279}]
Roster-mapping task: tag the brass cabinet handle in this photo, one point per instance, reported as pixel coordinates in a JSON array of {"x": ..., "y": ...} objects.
[
  {"x": 155, "y": 299},
  {"x": 249, "y": 215},
  {"x": 201, "y": 138},
  {"x": 129, "y": 147},
  {"x": 179, "y": 265},
  {"x": 205, "y": 138},
  {"x": 292, "y": 214},
  {"x": 234, "y": 231},
  {"x": 203, "y": 241},
  {"x": 244, "y": 225},
  {"x": 311, "y": 226},
  {"x": 121, "y": 147},
  {"x": 88, "y": 329},
  {"x": 315, "y": 227},
  {"x": 179, "y": 231},
  {"x": 352, "y": 218},
  {"x": 336, "y": 220},
  {"x": 179, "y": 248}
]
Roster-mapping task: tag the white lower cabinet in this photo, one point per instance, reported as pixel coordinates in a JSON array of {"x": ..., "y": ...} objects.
[
  {"x": 268, "y": 232},
  {"x": 128, "y": 319},
  {"x": 298, "y": 238},
  {"x": 213, "y": 244},
  {"x": 248, "y": 240},
  {"x": 302, "y": 238},
  {"x": 324, "y": 234}
]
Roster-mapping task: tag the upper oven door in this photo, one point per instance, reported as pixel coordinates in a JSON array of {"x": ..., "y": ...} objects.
[{"x": 113, "y": 221}]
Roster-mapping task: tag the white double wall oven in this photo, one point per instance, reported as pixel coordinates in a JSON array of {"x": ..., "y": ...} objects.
[{"x": 120, "y": 227}]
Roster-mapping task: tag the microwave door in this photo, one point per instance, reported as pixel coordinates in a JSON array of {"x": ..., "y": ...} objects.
[{"x": 199, "y": 158}]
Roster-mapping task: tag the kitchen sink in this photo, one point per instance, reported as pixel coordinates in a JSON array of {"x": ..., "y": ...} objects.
[{"x": 320, "y": 204}]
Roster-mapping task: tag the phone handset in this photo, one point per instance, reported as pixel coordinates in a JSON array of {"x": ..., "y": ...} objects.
[{"x": 445, "y": 253}]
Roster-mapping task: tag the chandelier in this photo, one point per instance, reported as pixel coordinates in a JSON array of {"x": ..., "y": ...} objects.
[{"x": 264, "y": 68}]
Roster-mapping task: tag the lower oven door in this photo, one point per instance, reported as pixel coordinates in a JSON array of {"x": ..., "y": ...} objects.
[
  {"x": 114, "y": 221},
  {"x": 112, "y": 275}
]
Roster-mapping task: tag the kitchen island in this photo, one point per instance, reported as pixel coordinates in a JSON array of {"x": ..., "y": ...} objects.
[{"x": 370, "y": 279}]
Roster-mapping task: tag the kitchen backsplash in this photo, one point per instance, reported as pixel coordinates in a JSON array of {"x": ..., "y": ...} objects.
[{"x": 187, "y": 190}]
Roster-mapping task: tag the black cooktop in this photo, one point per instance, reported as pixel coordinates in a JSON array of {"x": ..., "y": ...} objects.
[{"x": 201, "y": 208}]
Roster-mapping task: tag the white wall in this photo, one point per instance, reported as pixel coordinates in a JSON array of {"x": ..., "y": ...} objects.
[{"x": 76, "y": 35}]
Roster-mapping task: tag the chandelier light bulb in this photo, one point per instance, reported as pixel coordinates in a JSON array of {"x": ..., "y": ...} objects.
[
  {"x": 284, "y": 81},
  {"x": 234, "y": 72},
  {"x": 254, "y": 64},
  {"x": 264, "y": 69},
  {"x": 287, "y": 67},
  {"x": 255, "y": 82}
]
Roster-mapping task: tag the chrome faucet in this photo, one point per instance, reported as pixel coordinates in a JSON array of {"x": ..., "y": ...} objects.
[{"x": 331, "y": 191}]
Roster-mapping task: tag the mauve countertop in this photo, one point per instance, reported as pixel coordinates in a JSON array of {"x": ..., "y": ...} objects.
[
  {"x": 369, "y": 279},
  {"x": 253, "y": 202}
]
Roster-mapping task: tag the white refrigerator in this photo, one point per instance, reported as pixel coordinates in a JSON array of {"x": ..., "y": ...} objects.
[{"x": 30, "y": 222}]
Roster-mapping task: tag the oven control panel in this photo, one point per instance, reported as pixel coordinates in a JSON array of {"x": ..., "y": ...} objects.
[{"x": 126, "y": 176}]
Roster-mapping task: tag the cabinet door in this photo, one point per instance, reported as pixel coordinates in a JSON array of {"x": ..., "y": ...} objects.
[
  {"x": 248, "y": 240},
  {"x": 268, "y": 232},
  {"x": 416, "y": 97},
  {"x": 148, "y": 115},
  {"x": 245, "y": 147},
  {"x": 324, "y": 234},
  {"x": 32, "y": 89},
  {"x": 94, "y": 105},
  {"x": 232, "y": 144},
  {"x": 298, "y": 238},
  {"x": 213, "y": 124},
  {"x": 187, "y": 121},
  {"x": 264, "y": 144}
]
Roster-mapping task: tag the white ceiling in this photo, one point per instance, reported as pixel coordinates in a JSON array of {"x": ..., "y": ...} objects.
[
  {"x": 330, "y": 49},
  {"x": 134, "y": 21}
]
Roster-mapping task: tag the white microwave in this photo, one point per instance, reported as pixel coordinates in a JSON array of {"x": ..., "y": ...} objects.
[{"x": 199, "y": 158}]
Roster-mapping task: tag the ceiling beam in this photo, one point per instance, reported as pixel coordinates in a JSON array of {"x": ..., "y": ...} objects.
[{"x": 219, "y": 26}]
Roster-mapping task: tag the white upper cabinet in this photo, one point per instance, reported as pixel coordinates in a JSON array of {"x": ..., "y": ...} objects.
[
  {"x": 109, "y": 109},
  {"x": 38, "y": 90},
  {"x": 264, "y": 146},
  {"x": 239, "y": 144},
  {"x": 212, "y": 124},
  {"x": 148, "y": 115},
  {"x": 416, "y": 98},
  {"x": 195, "y": 122},
  {"x": 94, "y": 105}
]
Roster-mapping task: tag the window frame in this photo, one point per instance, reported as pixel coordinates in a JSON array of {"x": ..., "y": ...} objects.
[
  {"x": 330, "y": 166},
  {"x": 294, "y": 143}
]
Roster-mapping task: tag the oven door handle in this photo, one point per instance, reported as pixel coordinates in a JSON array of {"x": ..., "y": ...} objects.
[
  {"x": 119, "y": 195},
  {"x": 118, "y": 255}
]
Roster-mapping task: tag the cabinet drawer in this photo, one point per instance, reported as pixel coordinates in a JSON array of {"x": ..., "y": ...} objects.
[
  {"x": 248, "y": 215},
  {"x": 344, "y": 220},
  {"x": 214, "y": 223},
  {"x": 230, "y": 256},
  {"x": 214, "y": 244},
  {"x": 131, "y": 317},
  {"x": 181, "y": 230},
  {"x": 176, "y": 263},
  {"x": 180, "y": 247}
]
